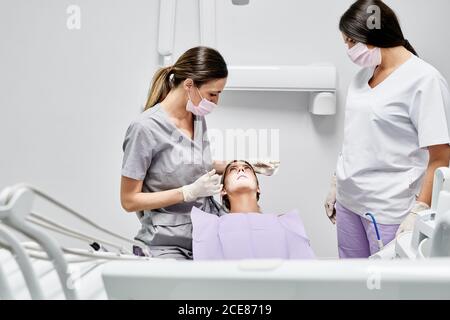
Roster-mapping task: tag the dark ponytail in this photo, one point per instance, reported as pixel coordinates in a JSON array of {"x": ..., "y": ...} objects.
[
  {"x": 201, "y": 64},
  {"x": 408, "y": 46},
  {"x": 355, "y": 21}
]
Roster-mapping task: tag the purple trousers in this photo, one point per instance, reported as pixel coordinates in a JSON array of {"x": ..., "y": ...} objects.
[{"x": 356, "y": 235}]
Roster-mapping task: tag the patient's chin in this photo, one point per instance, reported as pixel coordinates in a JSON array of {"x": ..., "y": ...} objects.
[{"x": 242, "y": 187}]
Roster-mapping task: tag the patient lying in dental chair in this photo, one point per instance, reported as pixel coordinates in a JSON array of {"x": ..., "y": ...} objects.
[{"x": 246, "y": 233}]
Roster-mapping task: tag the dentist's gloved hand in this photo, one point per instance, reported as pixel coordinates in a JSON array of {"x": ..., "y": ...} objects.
[
  {"x": 408, "y": 223},
  {"x": 205, "y": 186},
  {"x": 331, "y": 201},
  {"x": 265, "y": 167}
]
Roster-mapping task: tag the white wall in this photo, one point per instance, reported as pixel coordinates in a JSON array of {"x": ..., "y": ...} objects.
[{"x": 67, "y": 97}]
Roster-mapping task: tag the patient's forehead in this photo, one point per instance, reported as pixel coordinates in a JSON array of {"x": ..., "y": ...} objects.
[{"x": 237, "y": 163}]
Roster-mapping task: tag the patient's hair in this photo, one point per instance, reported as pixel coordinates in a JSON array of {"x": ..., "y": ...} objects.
[{"x": 225, "y": 199}]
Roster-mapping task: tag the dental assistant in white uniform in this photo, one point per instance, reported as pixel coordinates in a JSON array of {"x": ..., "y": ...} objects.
[{"x": 396, "y": 134}]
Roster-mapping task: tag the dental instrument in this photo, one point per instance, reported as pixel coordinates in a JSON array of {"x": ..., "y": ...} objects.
[
  {"x": 431, "y": 232},
  {"x": 7, "y": 193},
  {"x": 379, "y": 241},
  {"x": 23, "y": 262}
]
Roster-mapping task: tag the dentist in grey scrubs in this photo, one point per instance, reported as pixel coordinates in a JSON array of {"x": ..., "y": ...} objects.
[{"x": 167, "y": 167}]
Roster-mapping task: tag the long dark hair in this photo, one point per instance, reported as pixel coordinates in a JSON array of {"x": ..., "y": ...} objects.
[
  {"x": 201, "y": 64},
  {"x": 354, "y": 24}
]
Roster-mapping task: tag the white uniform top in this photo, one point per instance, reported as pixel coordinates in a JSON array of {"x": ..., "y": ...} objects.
[{"x": 387, "y": 129}]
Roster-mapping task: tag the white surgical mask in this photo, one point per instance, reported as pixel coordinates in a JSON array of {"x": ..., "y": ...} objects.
[
  {"x": 363, "y": 56},
  {"x": 203, "y": 108}
]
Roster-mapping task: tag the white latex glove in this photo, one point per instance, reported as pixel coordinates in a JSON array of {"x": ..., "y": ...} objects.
[
  {"x": 410, "y": 220},
  {"x": 265, "y": 167},
  {"x": 205, "y": 186},
  {"x": 331, "y": 201}
]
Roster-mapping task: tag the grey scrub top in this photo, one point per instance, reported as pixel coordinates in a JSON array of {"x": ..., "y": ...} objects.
[{"x": 161, "y": 155}]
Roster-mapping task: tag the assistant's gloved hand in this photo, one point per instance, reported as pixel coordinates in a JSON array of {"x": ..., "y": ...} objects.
[
  {"x": 331, "y": 201},
  {"x": 205, "y": 186},
  {"x": 408, "y": 223},
  {"x": 265, "y": 167}
]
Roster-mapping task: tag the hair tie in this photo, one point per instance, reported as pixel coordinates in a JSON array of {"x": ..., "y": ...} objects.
[{"x": 170, "y": 73}]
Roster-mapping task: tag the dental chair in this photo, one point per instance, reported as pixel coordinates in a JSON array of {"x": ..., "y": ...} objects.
[
  {"x": 42, "y": 268},
  {"x": 65, "y": 273},
  {"x": 430, "y": 237}
]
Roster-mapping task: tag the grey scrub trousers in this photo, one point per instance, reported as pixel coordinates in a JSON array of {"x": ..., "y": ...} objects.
[{"x": 161, "y": 155}]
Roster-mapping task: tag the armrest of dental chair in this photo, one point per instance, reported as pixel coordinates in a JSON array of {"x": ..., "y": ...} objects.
[{"x": 440, "y": 246}]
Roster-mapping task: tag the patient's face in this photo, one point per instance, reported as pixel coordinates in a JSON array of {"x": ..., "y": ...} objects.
[{"x": 239, "y": 177}]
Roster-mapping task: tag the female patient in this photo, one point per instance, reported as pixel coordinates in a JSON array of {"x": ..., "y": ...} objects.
[{"x": 245, "y": 233}]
